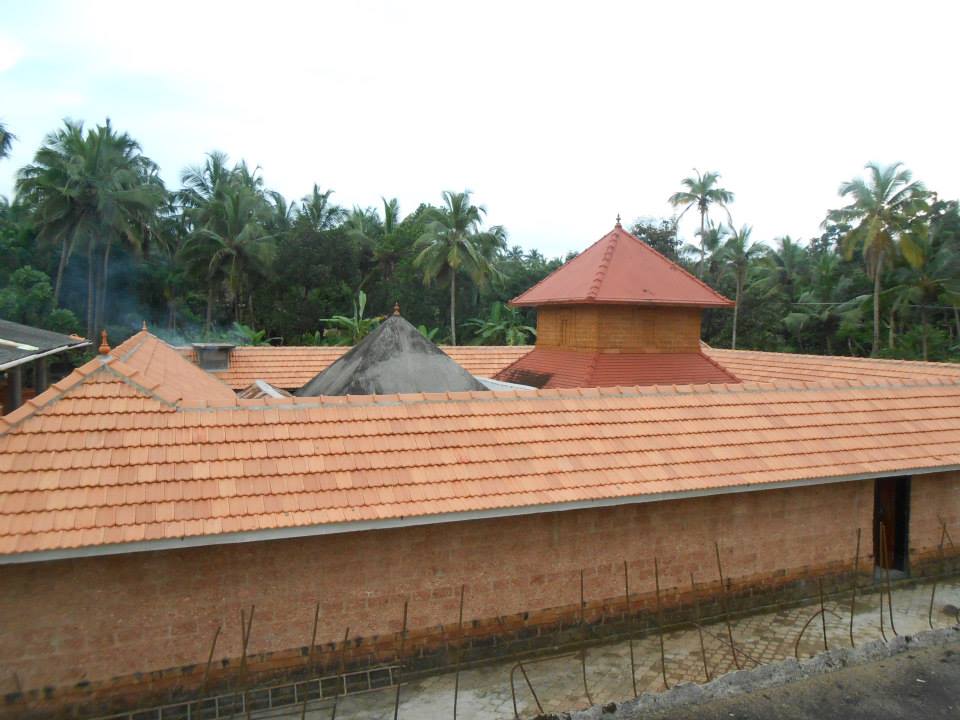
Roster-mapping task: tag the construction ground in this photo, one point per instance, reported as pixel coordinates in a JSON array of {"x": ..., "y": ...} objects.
[{"x": 556, "y": 685}]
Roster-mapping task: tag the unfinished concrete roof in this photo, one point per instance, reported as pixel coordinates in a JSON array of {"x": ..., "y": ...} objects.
[{"x": 394, "y": 358}]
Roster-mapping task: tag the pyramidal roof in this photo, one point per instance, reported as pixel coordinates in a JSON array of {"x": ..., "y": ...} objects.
[
  {"x": 394, "y": 358},
  {"x": 620, "y": 268}
]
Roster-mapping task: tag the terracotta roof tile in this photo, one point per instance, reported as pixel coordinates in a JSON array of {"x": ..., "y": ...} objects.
[
  {"x": 576, "y": 369},
  {"x": 148, "y": 469},
  {"x": 619, "y": 268}
]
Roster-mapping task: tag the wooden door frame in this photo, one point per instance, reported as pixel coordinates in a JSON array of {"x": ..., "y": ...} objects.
[{"x": 901, "y": 529}]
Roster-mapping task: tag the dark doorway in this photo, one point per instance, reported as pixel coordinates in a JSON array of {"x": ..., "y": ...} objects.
[{"x": 891, "y": 507}]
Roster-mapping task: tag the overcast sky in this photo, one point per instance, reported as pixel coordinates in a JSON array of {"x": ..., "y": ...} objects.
[{"x": 557, "y": 116}]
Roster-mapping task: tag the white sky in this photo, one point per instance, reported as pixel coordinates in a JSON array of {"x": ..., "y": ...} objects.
[{"x": 557, "y": 115}]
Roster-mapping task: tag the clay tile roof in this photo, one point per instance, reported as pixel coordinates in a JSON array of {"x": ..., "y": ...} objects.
[
  {"x": 105, "y": 457},
  {"x": 619, "y": 268},
  {"x": 546, "y": 367},
  {"x": 166, "y": 367},
  {"x": 291, "y": 367},
  {"x": 768, "y": 366}
]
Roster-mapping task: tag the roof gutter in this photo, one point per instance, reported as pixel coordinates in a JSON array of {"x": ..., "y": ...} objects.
[
  {"x": 288, "y": 533},
  {"x": 37, "y": 356}
]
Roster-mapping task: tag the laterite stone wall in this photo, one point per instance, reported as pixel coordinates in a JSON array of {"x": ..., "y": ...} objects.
[{"x": 130, "y": 628}]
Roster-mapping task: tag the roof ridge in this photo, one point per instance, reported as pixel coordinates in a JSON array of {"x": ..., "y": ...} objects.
[
  {"x": 676, "y": 266},
  {"x": 683, "y": 389},
  {"x": 604, "y": 265},
  {"x": 591, "y": 277},
  {"x": 718, "y": 365},
  {"x": 52, "y": 394}
]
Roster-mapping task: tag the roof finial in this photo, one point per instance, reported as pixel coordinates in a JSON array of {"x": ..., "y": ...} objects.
[
  {"x": 396, "y": 308},
  {"x": 144, "y": 326},
  {"x": 618, "y": 220},
  {"x": 104, "y": 348}
]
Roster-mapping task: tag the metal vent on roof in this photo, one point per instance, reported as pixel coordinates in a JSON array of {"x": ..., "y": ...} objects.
[{"x": 213, "y": 356}]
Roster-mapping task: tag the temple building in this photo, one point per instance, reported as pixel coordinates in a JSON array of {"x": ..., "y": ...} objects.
[
  {"x": 620, "y": 313},
  {"x": 175, "y": 525}
]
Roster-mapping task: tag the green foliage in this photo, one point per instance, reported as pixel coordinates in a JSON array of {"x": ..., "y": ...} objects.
[
  {"x": 661, "y": 235},
  {"x": 504, "y": 326},
  {"x": 701, "y": 192},
  {"x": 28, "y": 299},
  {"x": 882, "y": 215},
  {"x": 453, "y": 243},
  {"x": 345, "y": 330},
  {"x": 6, "y": 140},
  {"x": 429, "y": 333},
  {"x": 92, "y": 233},
  {"x": 248, "y": 336},
  {"x": 95, "y": 190}
]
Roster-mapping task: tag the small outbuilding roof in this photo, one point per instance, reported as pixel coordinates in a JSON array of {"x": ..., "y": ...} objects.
[
  {"x": 394, "y": 358},
  {"x": 619, "y": 268},
  {"x": 21, "y": 343}
]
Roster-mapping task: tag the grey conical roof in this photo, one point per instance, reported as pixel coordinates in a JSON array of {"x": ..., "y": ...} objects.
[{"x": 394, "y": 358}]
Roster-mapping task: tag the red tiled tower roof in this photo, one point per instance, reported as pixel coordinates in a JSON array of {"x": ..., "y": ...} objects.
[
  {"x": 557, "y": 368},
  {"x": 619, "y": 268}
]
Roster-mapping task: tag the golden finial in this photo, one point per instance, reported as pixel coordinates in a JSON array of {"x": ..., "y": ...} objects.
[
  {"x": 104, "y": 348},
  {"x": 396, "y": 308},
  {"x": 144, "y": 326}
]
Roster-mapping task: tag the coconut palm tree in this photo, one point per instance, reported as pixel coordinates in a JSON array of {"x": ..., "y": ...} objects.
[
  {"x": 233, "y": 244},
  {"x": 880, "y": 214},
  {"x": 739, "y": 253},
  {"x": 783, "y": 269},
  {"x": 932, "y": 277},
  {"x": 453, "y": 242},
  {"x": 6, "y": 140},
  {"x": 701, "y": 192},
  {"x": 318, "y": 212},
  {"x": 710, "y": 249},
  {"x": 95, "y": 188}
]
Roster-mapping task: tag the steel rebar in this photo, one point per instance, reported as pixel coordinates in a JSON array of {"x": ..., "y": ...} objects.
[
  {"x": 626, "y": 592},
  {"x": 696, "y": 614},
  {"x": 403, "y": 637},
  {"x": 663, "y": 656},
  {"x": 313, "y": 642},
  {"x": 823, "y": 613},
  {"x": 583, "y": 642},
  {"x": 456, "y": 676},
  {"x": 340, "y": 672},
  {"x": 724, "y": 609},
  {"x": 853, "y": 594},
  {"x": 206, "y": 672},
  {"x": 886, "y": 567}
]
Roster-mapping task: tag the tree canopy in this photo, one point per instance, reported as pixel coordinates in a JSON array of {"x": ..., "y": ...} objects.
[{"x": 92, "y": 233}]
